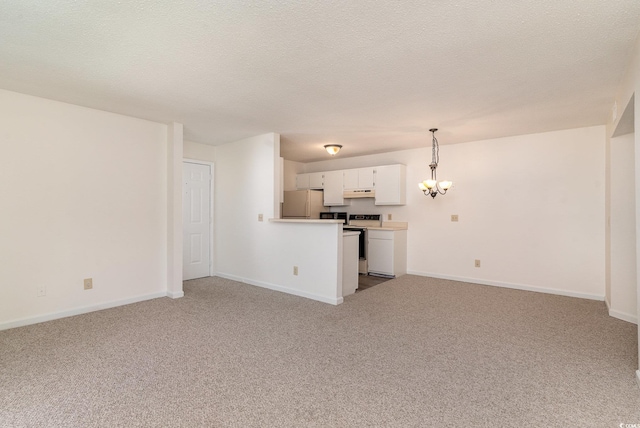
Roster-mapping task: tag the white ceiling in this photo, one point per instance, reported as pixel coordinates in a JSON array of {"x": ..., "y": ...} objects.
[{"x": 372, "y": 76}]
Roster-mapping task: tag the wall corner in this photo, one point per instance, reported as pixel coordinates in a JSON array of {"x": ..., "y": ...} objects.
[{"x": 175, "y": 148}]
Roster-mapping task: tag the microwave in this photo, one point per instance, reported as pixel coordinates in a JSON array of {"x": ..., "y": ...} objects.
[{"x": 334, "y": 216}]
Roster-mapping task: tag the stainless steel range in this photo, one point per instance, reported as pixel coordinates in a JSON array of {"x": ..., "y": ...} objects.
[{"x": 360, "y": 222}]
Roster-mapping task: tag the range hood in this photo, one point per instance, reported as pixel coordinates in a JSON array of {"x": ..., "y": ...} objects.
[{"x": 354, "y": 194}]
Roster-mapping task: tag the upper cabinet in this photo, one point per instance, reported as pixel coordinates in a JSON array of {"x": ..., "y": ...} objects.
[
  {"x": 314, "y": 180},
  {"x": 391, "y": 184},
  {"x": 350, "y": 179},
  {"x": 302, "y": 181},
  {"x": 334, "y": 189},
  {"x": 388, "y": 184},
  {"x": 360, "y": 178}
]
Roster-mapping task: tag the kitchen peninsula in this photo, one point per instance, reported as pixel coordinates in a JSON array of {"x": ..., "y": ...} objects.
[
  {"x": 323, "y": 262},
  {"x": 315, "y": 259}
]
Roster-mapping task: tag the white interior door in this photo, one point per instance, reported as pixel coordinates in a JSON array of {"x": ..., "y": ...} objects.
[{"x": 196, "y": 220}]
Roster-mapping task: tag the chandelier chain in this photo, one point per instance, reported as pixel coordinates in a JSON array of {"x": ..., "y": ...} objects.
[{"x": 435, "y": 150}]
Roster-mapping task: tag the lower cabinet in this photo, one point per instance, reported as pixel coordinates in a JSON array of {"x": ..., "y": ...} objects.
[
  {"x": 350, "y": 263},
  {"x": 387, "y": 252}
]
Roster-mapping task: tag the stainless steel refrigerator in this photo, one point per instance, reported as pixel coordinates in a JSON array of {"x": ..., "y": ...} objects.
[{"x": 302, "y": 204}]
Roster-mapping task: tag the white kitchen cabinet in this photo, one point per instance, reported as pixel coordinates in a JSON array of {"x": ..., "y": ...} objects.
[
  {"x": 359, "y": 178},
  {"x": 313, "y": 180},
  {"x": 316, "y": 180},
  {"x": 388, "y": 181},
  {"x": 302, "y": 181},
  {"x": 349, "y": 263},
  {"x": 350, "y": 179},
  {"x": 366, "y": 178},
  {"x": 333, "y": 189},
  {"x": 387, "y": 252},
  {"x": 390, "y": 185}
]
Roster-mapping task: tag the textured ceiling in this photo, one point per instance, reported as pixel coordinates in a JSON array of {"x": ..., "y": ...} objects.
[{"x": 372, "y": 76}]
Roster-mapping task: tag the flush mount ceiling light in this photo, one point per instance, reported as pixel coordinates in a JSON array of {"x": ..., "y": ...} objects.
[
  {"x": 332, "y": 149},
  {"x": 432, "y": 187}
]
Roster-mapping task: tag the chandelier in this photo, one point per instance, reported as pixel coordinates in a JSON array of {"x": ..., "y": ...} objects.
[{"x": 432, "y": 187}]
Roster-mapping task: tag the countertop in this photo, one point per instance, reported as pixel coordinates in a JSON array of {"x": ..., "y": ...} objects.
[
  {"x": 391, "y": 225},
  {"x": 387, "y": 225},
  {"x": 350, "y": 233},
  {"x": 304, "y": 220},
  {"x": 386, "y": 228}
]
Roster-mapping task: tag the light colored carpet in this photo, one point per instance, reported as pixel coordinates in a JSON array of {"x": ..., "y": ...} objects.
[{"x": 411, "y": 352}]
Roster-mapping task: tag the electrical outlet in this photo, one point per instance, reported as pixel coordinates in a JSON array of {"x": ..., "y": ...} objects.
[
  {"x": 477, "y": 263},
  {"x": 389, "y": 217},
  {"x": 295, "y": 270},
  {"x": 454, "y": 217},
  {"x": 88, "y": 283},
  {"x": 260, "y": 217},
  {"x": 42, "y": 290}
]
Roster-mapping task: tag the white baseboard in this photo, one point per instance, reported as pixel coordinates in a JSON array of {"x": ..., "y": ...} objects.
[
  {"x": 514, "y": 286},
  {"x": 175, "y": 294},
  {"x": 323, "y": 299},
  {"x": 21, "y": 322},
  {"x": 638, "y": 377},
  {"x": 623, "y": 316}
]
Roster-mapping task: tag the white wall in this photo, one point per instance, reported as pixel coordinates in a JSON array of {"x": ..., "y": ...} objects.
[
  {"x": 175, "y": 250},
  {"x": 84, "y": 194},
  {"x": 244, "y": 189},
  {"x": 264, "y": 253},
  {"x": 530, "y": 207},
  {"x": 291, "y": 169},
  {"x": 197, "y": 151},
  {"x": 628, "y": 88},
  {"x": 622, "y": 303}
]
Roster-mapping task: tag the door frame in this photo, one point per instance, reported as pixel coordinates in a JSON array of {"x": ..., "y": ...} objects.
[{"x": 211, "y": 212}]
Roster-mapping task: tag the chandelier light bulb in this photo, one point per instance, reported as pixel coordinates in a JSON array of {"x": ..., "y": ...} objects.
[{"x": 446, "y": 184}]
